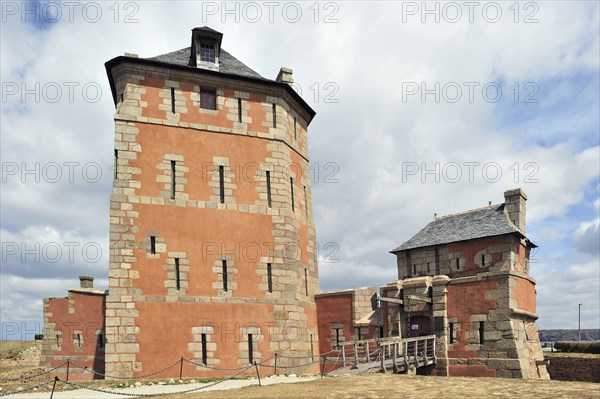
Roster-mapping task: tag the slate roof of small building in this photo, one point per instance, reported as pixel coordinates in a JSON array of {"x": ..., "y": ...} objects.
[
  {"x": 477, "y": 223},
  {"x": 227, "y": 62}
]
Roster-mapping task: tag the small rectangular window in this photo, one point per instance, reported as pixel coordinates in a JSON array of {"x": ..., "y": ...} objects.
[
  {"x": 172, "y": 99},
  {"x": 292, "y": 192},
  {"x": 224, "y": 266},
  {"x": 295, "y": 129},
  {"x": 204, "y": 355},
  {"x": 207, "y": 52},
  {"x": 414, "y": 270},
  {"x": 239, "y": 110},
  {"x": 177, "y": 275},
  {"x": 306, "y": 282},
  {"x": 380, "y": 332},
  {"x": 152, "y": 245},
  {"x": 482, "y": 260},
  {"x": 208, "y": 99},
  {"x": 173, "y": 167},
  {"x": 222, "y": 183},
  {"x": 269, "y": 188},
  {"x": 77, "y": 341},
  {"x": 58, "y": 341},
  {"x": 451, "y": 332},
  {"x": 274, "y": 115},
  {"x": 457, "y": 263},
  {"x": 116, "y": 164},
  {"x": 337, "y": 337},
  {"x": 305, "y": 203},
  {"x": 100, "y": 340},
  {"x": 359, "y": 333},
  {"x": 269, "y": 278},
  {"x": 250, "y": 349},
  {"x": 481, "y": 332}
]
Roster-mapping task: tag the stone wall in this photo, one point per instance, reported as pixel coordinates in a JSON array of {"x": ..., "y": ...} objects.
[{"x": 74, "y": 329}]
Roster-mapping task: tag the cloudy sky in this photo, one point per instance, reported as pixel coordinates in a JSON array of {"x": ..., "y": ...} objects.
[{"x": 418, "y": 111}]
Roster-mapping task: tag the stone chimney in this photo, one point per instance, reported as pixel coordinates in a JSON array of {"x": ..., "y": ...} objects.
[
  {"x": 86, "y": 281},
  {"x": 285, "y": 75},
  {"x": 514, "y": 206}
]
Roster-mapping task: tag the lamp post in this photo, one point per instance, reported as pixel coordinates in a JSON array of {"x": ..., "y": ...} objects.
[{"x": 580, "y": 321}]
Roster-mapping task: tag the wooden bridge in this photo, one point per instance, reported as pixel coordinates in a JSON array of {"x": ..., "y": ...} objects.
[{"x": 398, "y": 355}]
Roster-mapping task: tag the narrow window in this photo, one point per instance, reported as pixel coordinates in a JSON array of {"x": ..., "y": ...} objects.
[
  {"x": 274, "y": 115},
  {"x": 306, "y": 282},
  {"x": 414, "y": 270},
  {"x": 305, "y": 203},
  {"x": 224, "y": 275},
  {"x": 177, "y": 275},
  {"x": 152, "y": 245},
  {"x": 207, "y": 52},
  {"x": 359, "y": 333},
  {"x": 172, "y": 99},
  {"x": 222, "y": 183},
  {"x": 457, "y": 263},
  {"x": 381, "y": 332},
  {"x": 172, "y": 179},
  {"x": 451, "y": 332},
  {"x": 77, "y": 341},
  {"x": 337, "y": 337},
  {"x": 100, "y": 340},
  {"x": 208, "y": 99},
  {"x": 482, "y": 260},
  {"x": 295, "y": 129},
  {"x": 269, "y": 188},
  {"x": 116, "y": 164},
  {"x": 481, "y": 332},
  {"x": 239, "y": 110},
  {"x": 292, "y": 191},
  {"x": 250, "y": 349},
  {"x": 204, "y": 356},
  {"x": 269, "y": 278},
  {"x": 58, "y": 341}
]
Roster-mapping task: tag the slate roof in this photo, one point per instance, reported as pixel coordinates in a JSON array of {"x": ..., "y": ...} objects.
[
  {"x": 477, "y": 223},
  {"x": 227, "y": 62}
]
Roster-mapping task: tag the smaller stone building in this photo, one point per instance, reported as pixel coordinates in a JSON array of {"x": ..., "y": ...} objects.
[
  {"x": 74, "y": 330},
  {"x": 465, "y": 279}
]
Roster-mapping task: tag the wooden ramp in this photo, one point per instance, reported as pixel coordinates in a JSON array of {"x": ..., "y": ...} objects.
[{"x": 392, "y": 354}]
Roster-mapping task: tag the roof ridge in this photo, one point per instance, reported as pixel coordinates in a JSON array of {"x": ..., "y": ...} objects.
[{"x": 493, "y": 206}]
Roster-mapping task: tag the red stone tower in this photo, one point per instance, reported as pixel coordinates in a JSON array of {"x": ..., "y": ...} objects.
[{"x": 211, "y": 228}]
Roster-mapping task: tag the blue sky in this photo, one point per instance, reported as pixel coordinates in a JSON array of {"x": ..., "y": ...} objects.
[{"x": 365, "y": 57}]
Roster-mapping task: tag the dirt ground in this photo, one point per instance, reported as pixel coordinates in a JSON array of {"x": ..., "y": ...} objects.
[
  {"x": 568, "y": 366},
  {"x": 401, "y": 386}
]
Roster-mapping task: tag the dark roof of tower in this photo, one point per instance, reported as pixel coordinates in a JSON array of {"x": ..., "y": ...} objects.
[
  {"x": 477, "y": 223},
  {"x": 227, "y": 62}
]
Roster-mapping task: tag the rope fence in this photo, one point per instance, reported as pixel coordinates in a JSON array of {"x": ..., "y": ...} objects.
[{"x": 322, "y": 359}]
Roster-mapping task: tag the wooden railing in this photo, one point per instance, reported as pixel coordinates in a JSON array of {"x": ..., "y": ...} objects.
[{"x": 418, "y": 351}]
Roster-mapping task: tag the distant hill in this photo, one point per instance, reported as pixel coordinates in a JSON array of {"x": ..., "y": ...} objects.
[{"x": 569, "y": 335}]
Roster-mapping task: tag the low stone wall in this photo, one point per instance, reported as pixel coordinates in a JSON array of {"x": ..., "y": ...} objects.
[{"x": 574, "y": 367}]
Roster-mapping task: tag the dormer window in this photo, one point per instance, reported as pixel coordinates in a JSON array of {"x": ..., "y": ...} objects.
[
  {"x": 208, "y": 99},
  {"x": 207, "y": 52}
]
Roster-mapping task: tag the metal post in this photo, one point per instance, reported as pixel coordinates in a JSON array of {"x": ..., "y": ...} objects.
[
  {"x": 580, "y": 321},
  {"x": 275, "y": 372},
  {"x": 68, "y": 362},
  {"x": 323, "y": 360},
  {"x": 368, "y": 357},
  {"x": 344, "y": 356},
  {"x": 180, "y": 367},
  {"x": 355, "y": 365},
  {"x": 53, "y": 386},
  {"x": 257, "y": 373}
]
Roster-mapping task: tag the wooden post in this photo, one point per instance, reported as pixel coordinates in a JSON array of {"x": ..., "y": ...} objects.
[
  {"x": 68, "y": 362},
  {"x": 368, "y": 357},
  {"x": 382, "y": 348},
  {"x": 257, "y": 373},
  {"x": 275, "y": 372},
  {"x": 343, "y": 355},
  {"x": 53, "y": 386},
  {"x": 181, "y": 367},
  {"x": 395, "y": 367}
]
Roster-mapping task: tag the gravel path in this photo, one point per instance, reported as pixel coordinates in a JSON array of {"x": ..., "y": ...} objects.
[{"x": 163, "y": 389}]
